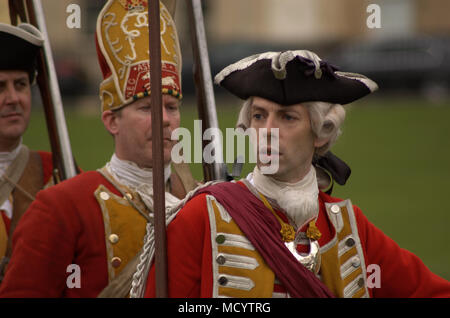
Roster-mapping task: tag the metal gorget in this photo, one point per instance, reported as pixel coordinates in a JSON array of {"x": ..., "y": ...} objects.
[{"x": 310, "y": 260}]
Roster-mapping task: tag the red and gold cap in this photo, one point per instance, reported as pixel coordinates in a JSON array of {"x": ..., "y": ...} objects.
[{"x": 122, "y": 40}]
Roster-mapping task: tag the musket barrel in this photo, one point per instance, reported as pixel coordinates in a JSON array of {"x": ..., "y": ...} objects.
[
  {"x": 200, "y": 48},
  {"x": 68, "y": 164}
]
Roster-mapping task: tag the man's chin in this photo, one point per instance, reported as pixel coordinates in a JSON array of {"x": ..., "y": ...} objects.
[
  {"x": 167, "y": 160},
  {"x": 12, "y": 134},
  {"x": 168, "y": 155}
]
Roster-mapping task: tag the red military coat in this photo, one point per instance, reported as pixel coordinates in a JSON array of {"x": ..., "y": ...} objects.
[
  {"x": 64, "y": 226},
  {"x": 47, "y": 165},
  {"x": 194, "y": 251}
]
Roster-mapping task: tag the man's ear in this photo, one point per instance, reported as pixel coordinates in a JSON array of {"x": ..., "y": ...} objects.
[
  {"x": 110, "y": 120},
  {"x": 319, "y": 142}
]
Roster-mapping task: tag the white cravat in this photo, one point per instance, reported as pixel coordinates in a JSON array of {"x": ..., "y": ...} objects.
[
  {"x": 6, "y": 158},
  {"x": 139, "y": 180},
  {"x": 299, "y": 200}
]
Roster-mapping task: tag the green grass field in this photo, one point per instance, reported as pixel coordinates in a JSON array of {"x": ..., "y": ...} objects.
[{"x": 398, "y": 149}]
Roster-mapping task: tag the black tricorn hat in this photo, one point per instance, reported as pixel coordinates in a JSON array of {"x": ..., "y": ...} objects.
[
  {"x": 20, "y": 47},
  {"x": 293, "y": 77}
]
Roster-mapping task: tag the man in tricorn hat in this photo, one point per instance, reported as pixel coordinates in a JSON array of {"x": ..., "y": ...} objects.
[
  {"x": 22, "y": 172},
  {"x": 81, "y": 238},
  {"x": 284, "y": 237}
]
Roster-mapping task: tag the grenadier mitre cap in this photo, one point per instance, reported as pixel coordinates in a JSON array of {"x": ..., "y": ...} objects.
[
  {"x": 20, "y": 47},
  {"x": 293, "y": 77},
  {"x": 122, "y": 38}
]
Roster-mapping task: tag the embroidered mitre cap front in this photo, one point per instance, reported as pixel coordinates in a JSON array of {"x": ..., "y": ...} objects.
[{"x": 122, "y": 40}]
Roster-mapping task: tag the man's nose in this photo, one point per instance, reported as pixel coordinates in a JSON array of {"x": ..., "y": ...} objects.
[
  {"x": 11, "y": 95},
  {"x": 270, "y": 123},
  {"x": 165, "y": 117}
]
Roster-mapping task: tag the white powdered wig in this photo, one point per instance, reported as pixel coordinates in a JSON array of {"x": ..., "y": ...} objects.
[{"x": 326, "y": 121}]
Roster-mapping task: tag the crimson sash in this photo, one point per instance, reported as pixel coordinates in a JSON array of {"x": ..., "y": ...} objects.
[{"x": 262, "y": 229}]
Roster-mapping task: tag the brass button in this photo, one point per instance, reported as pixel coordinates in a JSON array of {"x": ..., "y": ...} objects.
[
  {"x": 223, "y": 280},
  {"x": 114, "y": 238},
  {"x": 335, "y": 209},
  {"x": 129, "y": 196},
  {"x": 104, "y": 196},
  {"x": 116, "y": 262},
  {"x": 220, "y": 239},
  {"x": 356, "y": 262},
  {"x": 350, "y": 242},
  {"x": 220, "y": 259},
  {"x": 361, "y": 282}
]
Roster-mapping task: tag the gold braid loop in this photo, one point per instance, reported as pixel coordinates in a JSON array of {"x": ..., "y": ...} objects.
[{"x": 287, "y": 231}]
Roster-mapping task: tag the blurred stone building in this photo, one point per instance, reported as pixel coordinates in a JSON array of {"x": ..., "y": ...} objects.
[
  {"x": 298, "y": 23},
  {"x": 322, "y": 20}
]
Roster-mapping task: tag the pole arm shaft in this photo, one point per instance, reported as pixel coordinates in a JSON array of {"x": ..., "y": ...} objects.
[
  {"x": 157, "y": 149},
  {"x": 68, "y": 164},
  {"x": 204, "y": 86}
]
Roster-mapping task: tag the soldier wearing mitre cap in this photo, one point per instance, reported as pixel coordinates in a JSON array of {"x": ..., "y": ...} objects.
[{"x": 82, "y": 237}]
